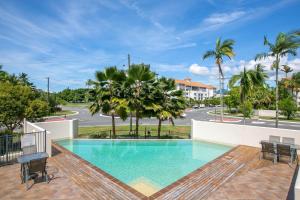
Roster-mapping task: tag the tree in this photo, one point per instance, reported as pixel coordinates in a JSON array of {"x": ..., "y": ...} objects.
[
  {"x": 139, "y": 79},
  {"x": 288, "y": 107},
  {"x": 285, "y": 44},
  {"x": 222, "y": 49},
  {"x": 170, "y": 103},
  {"x": 247, "y": 80},
  {"x": 37, "y": 109},
  {"x": 263, "y": 98},
  {"x": 286, "y": 69},
  {"x": 14, "y": 101},
  {"x": 232, "y": 100},
  {"x": 107, "y": 94}
]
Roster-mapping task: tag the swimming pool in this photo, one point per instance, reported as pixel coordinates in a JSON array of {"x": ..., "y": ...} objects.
[{"x": 146, "y": 165}]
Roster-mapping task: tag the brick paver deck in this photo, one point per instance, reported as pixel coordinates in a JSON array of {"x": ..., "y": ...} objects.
[{"x": 238, "y": 174}]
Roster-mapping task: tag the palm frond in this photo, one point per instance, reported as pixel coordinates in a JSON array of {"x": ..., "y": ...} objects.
[
  {"x": 209, "y": 54},
  {"x": 234, "y": 79},
  {"x": 261, "y": 56}
]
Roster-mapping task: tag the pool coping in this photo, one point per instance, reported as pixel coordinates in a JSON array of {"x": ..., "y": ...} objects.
[
  {"x": 134, "y": 191},
  {"x": 100, "y": 171}
]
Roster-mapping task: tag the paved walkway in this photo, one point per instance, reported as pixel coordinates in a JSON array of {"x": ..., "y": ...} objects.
[
  {"x": 266, "y": 183},
  {"x": 60, "y": 187}
]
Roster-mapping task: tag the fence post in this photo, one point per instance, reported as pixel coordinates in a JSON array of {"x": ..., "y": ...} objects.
[
  {"x": 6, "y": 147},
  {"x": 45, "y": 143},
  {"x": 110, "y": 134}
]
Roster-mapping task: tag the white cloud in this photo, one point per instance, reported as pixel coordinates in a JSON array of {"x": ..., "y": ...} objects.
[
  {"x": 169, "y": 67},
  {"x": 223, "y": 18},
  {"x": 235, "y": 67},
  {"x": 198, "y": 70}
]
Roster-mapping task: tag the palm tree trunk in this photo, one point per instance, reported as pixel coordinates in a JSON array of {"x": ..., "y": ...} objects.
[
  {"x": 159, "y": 128},
  {"x": 221, "y": 92},
  {"x": 244, "y": 111},
  {"x": 130, "y": 121},
  {"x": 136, "y": 123},
  {"x": 113, "y": 125},
  {"x": 276, "y": 91}
]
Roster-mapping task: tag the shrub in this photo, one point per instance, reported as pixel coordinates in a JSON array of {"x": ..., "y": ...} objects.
[
  {"x": 101, "y": 135},
  {"x": 246, "y": 108},
  {"x": 288, "y": 107}
]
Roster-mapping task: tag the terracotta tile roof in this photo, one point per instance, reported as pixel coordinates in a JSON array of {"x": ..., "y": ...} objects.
[{"x": 187, "y": 82}]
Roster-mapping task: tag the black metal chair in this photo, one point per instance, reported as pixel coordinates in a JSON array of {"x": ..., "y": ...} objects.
[
  {"x": 286, "y": 150},
  {"x": 268, "y": 148},
  {"x": 33, "y": 168}
]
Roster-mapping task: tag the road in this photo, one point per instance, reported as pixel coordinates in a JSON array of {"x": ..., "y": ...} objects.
[{"x": 85, "y": 119}]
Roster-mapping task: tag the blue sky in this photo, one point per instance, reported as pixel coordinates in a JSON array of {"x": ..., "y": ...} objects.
[{"x": 69, "y": 40}]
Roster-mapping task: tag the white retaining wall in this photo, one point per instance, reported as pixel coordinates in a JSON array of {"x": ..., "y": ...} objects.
[
  {"x": 266, "y": 113},
  {"x": 234, "y": 134},
  {"x": 55, "y": 130},
  {"x": 61, "y": 129}
]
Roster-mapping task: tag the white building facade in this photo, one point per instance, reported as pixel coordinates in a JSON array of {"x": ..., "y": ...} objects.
[{"x": 195, "y": 90}]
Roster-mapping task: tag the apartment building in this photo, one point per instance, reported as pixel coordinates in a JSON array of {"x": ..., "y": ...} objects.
[{"x": 195, "y": 90}]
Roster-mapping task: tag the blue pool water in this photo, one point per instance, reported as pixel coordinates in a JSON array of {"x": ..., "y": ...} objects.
[{"x": 159, "y": 162}]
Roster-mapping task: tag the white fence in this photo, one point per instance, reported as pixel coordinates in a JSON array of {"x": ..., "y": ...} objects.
[
  {"x": 234, "y": 134},
  {"x": 265, "y": 113},
  {"x": 55, "y": 130}
]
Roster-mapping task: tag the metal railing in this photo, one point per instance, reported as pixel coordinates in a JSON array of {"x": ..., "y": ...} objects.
[{"x": 11, "y": 148}]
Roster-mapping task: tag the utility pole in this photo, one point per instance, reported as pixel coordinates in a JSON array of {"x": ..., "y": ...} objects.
[
  {"x": 128, "y": 61},
  {"x": 130, "y": 110},
  {"x": 48, "y": 97},
  {"x": 48, "y": 80}
]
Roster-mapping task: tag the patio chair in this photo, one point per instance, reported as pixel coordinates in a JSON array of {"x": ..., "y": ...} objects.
[
  {"x": 273, "y": 138},
  {"x": 29, "y": 149},
  {"x": 286, "y": 150},
  {"x": 33, "y": 169},
  {"x": 268, "y": 148},
  {"x": 288, "y": 140}
]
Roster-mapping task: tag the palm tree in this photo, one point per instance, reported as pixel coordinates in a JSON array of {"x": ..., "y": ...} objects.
[
  {"x": 247, "y": 80},
  {"x": 139, "y": 78},
  {"x": 107, "y": 96},
  {"x": 171, "y": 102},
  {"x": 285, "y": 44},
  {"x": 222, "y": 49},
  {"x": 286, "y": 69}
]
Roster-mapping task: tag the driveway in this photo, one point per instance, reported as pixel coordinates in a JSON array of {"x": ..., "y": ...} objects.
[{"x": 86, "y": 119}]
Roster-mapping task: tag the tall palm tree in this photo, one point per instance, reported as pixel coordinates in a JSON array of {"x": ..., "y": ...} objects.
[
  {"x": 171, "y": 102},
  {"x": 107, "y": 96},
  {"x": 285, "y": 44},
  {"x": 139, "y": 78},
  {"x": 286, "y": 69},
  {"x": 222, "y": 49}
]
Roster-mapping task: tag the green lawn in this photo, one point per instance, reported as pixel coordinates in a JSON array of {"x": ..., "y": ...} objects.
[
  {"x": 168, "y": 131},
  {"x": 82, "y": 105},
  {"x": 63, "y": 113}
]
